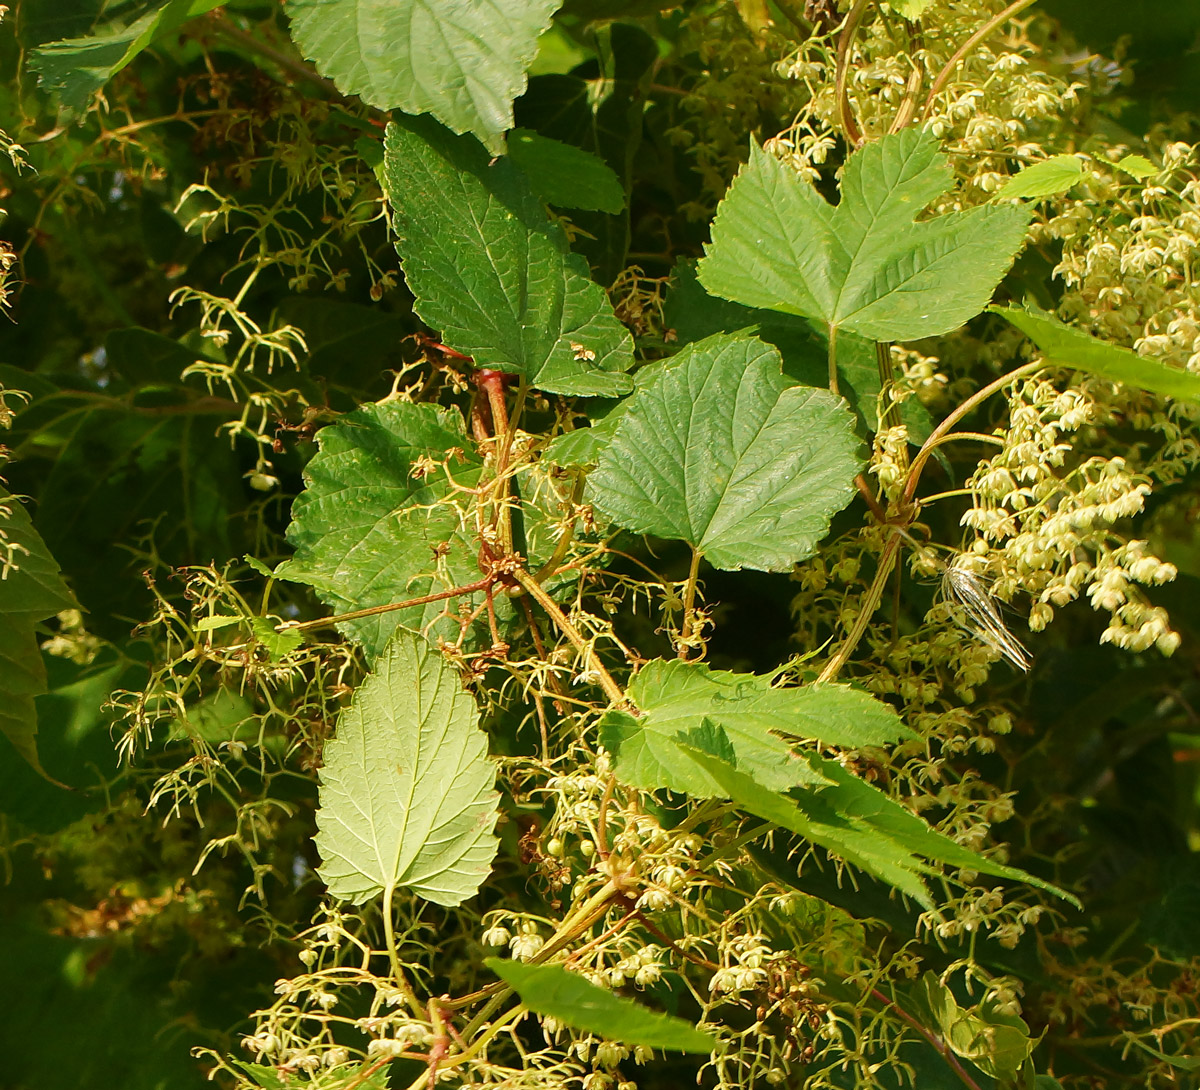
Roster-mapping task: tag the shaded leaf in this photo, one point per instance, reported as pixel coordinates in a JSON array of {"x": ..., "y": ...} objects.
[
  {"x": 1045, "y": 179},
  {"x": 407, "y": 794},
  {"x": 722, "y": 452},
  {"x": 995, "y": 1042},
  {"x": 910, "y": 9},
  {"x": 1067, "y": 347},
  {"x": 75, "y": 69},
  {"x": 564, "y": 175},
  {"x": 31, "y": 589},
  {"x": 491, "y": 272},
  {"x": 866, "y": 265},
  {"x": 463, "y": 62},
  {"x": 552, "y": 990}
]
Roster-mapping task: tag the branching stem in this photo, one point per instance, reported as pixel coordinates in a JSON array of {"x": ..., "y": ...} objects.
[
  {"x": 942, "y": 1048},
  {"x": 689, "y": 604},
  {"x": 373, "y": 611},
  {"x": 846, "y": 117},
  {"x": 614, "y": 691}
]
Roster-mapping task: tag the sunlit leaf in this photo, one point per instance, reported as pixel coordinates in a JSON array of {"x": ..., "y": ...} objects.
[
  {"x": 491, "y": 272},
  {"x": 722, "y": 452},
  {"x": 1045, "y": 179},
  {"x": 1137, "y": 166},
  {"x": 407, "y": 794},
  {"x": 1067, "y": 347},
  {"x": 676, "y": 698},
  {"x": 552, "y": 990},
  {"x": 463, "y": 61},
  {"x": 867, "y": 265}
]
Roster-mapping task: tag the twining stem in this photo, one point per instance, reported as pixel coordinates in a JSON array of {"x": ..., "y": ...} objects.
[
  {"x": 492, "y": 383},
  {"x": 372, "y": 611},
  {"x": 845, "y": 117},
  {"x": 614, "y": 691},
  {"x": 908, "y": 106},
  {"x": 942, "y": 1048},
  {"x": 867, "y": 607},
  {"x": 943, "y": 77},
  {"x": 942, "y": 430},
  {"x": 689, "y": 604}
]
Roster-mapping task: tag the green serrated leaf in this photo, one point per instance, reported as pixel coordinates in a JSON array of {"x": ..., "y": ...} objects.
[
  {"x": 75, "y": 69},
  {"x": 722, "y": 452},
  {"x": 1066, "y": 347},
  {"x": 464, "y": 63},
  {"x": 859, "y": 801},
  {"x": 867, "y": 265},
  {"x": 564, "y": 175},
  {"x": 407, "y": 796},
  {"x": 808, "y": 817},
  {"x": 492, "y": 272},
  {"x": 258, "y": 567},
  {"x": 677, "y": 699},
  {"x": 552, "y": 990},
  {"x": 277, "y": 644},
  {"x": 31, "y": 589},
  {"x": 365, "y": 527},
  {"x": 1045, "y": 179},
  {"x": 1137, "y": 166}
]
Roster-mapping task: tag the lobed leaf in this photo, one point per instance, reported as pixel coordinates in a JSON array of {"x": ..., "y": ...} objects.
[
  {"x": 1067, "y": 347},
  {"x": 491, "y": 271},
  {"x": 407, "y": 796},
  {"x": 463, "y": 61},
  {"x": 676, "y": 699},
  {"x": 867, "y": 265},
  {"x": 721, "y": 451},
  {"x": 553, "y": 991}
]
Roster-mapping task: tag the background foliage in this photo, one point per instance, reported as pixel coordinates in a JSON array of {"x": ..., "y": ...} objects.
[{"x": 213, "y": 364}]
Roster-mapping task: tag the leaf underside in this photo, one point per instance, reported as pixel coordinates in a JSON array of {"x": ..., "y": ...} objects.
[{"x": 407, "y": 797}]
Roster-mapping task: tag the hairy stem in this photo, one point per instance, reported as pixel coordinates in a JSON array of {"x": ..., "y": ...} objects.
[
  {"x": 689, "y": 604},
  {"x": 869, "y": 604},
  {"x": 943, "y": 429},
  {"x": 845, "y": 116}
]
